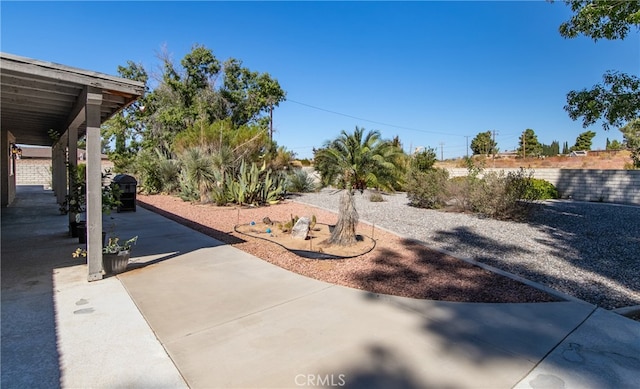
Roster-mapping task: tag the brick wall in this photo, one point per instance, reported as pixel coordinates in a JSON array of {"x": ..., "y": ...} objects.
[
  {"x": 38, "y": 171},
  {"x": 611, "y": 186}
]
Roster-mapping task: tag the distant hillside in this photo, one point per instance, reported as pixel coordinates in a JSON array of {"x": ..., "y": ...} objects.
[{"x": 604, "y": 160}]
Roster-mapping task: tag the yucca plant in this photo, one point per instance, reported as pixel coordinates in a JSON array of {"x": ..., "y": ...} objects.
[{"x": 199, "y": 171}]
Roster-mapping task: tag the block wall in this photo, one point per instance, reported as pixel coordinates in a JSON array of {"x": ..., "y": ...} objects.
[
  {"x": 611, "y": 186},
  {"x": 38, "y": 171}
]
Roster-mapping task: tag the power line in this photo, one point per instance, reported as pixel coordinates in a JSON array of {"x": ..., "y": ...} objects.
[{"x": 372, "y": 121}]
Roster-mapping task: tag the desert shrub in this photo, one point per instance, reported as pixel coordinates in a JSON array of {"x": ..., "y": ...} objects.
[
  {"x": 459, "y": 189},
  {"x": 501, "y": 196},
  {"x": 168, "y": 173},
  {"x": 186, "y": 189},
  {"x": 146, "y": 167},
  {"x": 427, "y": 189},
  {"x": 424, "y": 160},
  {"x": 299, "y": 181},
  {"x": 542, "y": 190},
  {"x": 376, "y": 197},
  {"x": 253, "y": 185}
]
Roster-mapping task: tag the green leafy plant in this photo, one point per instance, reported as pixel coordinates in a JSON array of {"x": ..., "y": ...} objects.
[
  {"x": 253, "y": 185},
  {"x": 541, "y": 190},
  {"x": 113, "y": 246},
  {"x": 299, "y": 181},
  {"x": 427, "y": 189},
  {"x": 288, "y": 226}
]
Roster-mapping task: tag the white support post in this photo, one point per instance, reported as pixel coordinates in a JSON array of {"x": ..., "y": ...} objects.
[
  {"x": 59, "y": 170},
  {"x": 72, "y": 146},
  {"x": 94, "y": 185}
]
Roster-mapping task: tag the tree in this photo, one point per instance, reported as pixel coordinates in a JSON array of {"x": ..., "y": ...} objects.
[
  {"x": 601, "y": 19},
  {"x": 565, "y": 148},
  {"x": 617, "y": 101},
  {"x": 583, "y": 141},
  {"x": 614, "y": 145},
  {"x": 483, "y": 144},
  {"x": 529, "y": 145},
  {"x": 424, "y": 160},
  {"x": 631, "y": 134},
  {"x": 125, "y": 127},
  {"x": 204, "y": 91},
  {"x": 355, "y": 161},
  {"x": 551, "y": 150}
]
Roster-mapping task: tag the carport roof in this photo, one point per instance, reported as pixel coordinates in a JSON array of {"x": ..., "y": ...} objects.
[{"x": 37, "y": 96}]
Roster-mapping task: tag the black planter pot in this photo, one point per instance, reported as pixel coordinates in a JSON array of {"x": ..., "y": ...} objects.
[
  {"x": 73, "y": 229},
  {"x": 81, "y": 229},
  {"x": 115, "y": 263}
]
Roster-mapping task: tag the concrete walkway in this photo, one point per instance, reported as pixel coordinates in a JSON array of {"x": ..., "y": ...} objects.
[{"x": 191, "y": 311}]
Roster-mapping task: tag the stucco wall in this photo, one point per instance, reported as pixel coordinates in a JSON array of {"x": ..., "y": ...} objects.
[{"x": 611, "y": 186}]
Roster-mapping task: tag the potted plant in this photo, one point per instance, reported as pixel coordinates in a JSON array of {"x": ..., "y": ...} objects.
[
  {"x": 115, "y": 254},
  {"x": 76, "y": 202}
]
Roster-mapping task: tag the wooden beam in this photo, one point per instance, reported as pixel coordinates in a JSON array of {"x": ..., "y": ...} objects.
[{"x": 66, "y": 73}]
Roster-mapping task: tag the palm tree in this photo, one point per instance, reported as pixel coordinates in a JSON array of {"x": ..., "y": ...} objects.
[{"x": 354, "y": 162}]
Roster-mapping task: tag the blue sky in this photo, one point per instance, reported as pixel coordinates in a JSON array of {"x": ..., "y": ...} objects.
[{"x": 430, "y": 72}]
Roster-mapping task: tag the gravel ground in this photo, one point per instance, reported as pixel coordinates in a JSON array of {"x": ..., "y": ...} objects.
[{"x": 588, "y": 250}]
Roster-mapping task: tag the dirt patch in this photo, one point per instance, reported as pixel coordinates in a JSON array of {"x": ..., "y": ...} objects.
[
  {"x": 315, "y": 246},
  {"x": 599, "y": 160}
]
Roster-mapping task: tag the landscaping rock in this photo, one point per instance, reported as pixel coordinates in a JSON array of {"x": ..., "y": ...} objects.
[
  {"x": 301, "y": 229},
  {"x": 267, "y": 221}
]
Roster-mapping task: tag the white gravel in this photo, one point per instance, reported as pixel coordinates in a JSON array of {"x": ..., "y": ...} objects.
[{"x": 588, "y": 250}]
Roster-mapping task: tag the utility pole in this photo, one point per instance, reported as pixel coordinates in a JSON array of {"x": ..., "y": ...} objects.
[
  {"x": 467, "y": 136},
  {"x": 493, "y": 148},
  {"x": 441, "y": 152},
  {"x": 271, "y": 122}
]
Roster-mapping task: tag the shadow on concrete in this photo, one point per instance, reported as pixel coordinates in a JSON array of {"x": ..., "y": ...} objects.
[
  {"x": 383, "y": 370},
  {"x": 35, "y": 242},
  {"x": 159, "y": 238},
  {"x": 216, "y": 234},
  {"x": 569, "y": 344}
]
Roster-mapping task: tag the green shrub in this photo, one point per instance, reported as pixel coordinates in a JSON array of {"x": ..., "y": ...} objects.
[
  {"x": 150, "y": 180},
  {"x": 427, "y": 189},
  {"x": 542, "y": 190},
  {"x": 254, "y": 186},
  {"x": 501, "y": 196},
  {"x": 299, "y": 181},
  {"x": 424, "y": 160},
  {"x": 168, "y": 173},
  {"x": 187, "y": 191},
  {"x": 459, "y": 189},
  {"x": 376, "y": 197}
]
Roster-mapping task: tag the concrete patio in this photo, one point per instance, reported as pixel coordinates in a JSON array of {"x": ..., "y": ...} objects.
[{"x": 192, "y": 312}]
